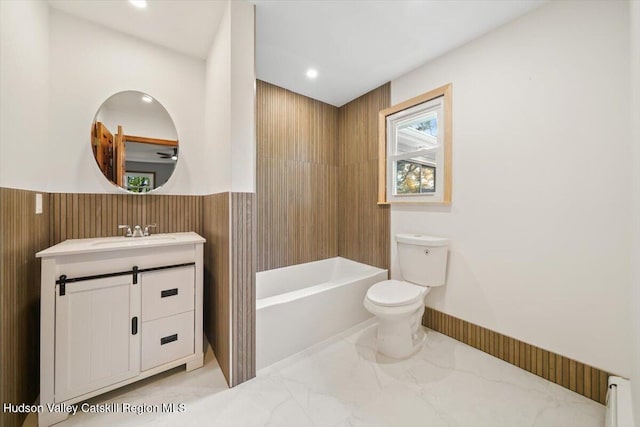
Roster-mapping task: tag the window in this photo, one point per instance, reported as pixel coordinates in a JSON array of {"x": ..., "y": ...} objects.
[
  {"x": 416, "y": 143},
  {"x": 415, "y": 178}
]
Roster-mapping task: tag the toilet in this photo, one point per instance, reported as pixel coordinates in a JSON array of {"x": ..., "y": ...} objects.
[{"x": 399, "y": 304}]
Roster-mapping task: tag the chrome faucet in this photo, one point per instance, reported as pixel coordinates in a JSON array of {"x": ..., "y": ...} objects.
[
  {"x": 146, "y": 229},
  {"x": 137, "y": 230},
  {"x": 128, "y": 227}
]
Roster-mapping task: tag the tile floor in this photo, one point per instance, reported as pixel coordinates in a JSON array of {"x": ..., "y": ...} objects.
[{"x": 342, "y": 382}]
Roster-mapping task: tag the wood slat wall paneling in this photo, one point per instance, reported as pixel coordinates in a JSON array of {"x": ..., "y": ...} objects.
[
  {"x": 77, "y": 216},
  {"x": 74, "y": 216},
  {"x": 576, "y": 376},
  {"x": 229, "y": 225},
  {"x": 22, "y": 234},
  {"x": 243, "y": 286},
  {"x": 363, "y": 224},
  {"x": 217, "y": 275},
  {"x": 296, "y": 192}
]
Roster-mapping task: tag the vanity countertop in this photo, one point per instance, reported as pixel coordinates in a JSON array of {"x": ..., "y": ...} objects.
[{"x": 104, "y": 244}]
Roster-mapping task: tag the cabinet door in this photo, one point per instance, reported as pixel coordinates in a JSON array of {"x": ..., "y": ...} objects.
[{"x": 96, "y": 342}]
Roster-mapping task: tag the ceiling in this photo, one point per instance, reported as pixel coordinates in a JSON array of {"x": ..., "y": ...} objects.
[
  {"x": 187, "y": 26},
  {"x": 355, "y": 45}
]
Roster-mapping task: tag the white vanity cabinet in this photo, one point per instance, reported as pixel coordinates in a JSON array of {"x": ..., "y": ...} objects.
[{"x": 114, "y": 311}]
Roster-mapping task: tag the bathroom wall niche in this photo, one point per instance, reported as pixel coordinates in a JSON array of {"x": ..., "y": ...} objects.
[
  {"x": 134, "y": 142},
  {"x": 415, "y": 150}
]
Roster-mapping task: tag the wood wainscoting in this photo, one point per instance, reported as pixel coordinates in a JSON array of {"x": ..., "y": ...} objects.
[
  {"x": 229, "y": 297},
  {"x": 22, "y": 234},
  {"x": 215, "y": 229},
  {"x": 77, "y": 216},
  {"x": 243, "y": 287},
  {"x": 363, "y": 224},
  {"x": 576, "y": 376}
]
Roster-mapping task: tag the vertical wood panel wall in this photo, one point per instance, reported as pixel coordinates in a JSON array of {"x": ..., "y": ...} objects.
[
  {"x": 243, "y": 286},
  {"x": 576, "y": 376},
  {"x": 230, "y": 268},
  {"x": 22, "y": 234},
  {"x": 216, "y": 229},
  {"x": 363, "y": 225},
  {"x": 77, "y": 216},
  {"x": 296, "y": 178}
]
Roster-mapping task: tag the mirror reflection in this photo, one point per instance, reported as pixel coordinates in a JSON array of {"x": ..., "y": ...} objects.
[{"x": 134, "y": 142}]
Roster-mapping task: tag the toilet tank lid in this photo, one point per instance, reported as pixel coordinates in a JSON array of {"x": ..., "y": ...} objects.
[{"x": 421, "y": 240}]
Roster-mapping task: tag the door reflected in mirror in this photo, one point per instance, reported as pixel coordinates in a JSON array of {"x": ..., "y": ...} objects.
[{"x": 134, "y": 142}]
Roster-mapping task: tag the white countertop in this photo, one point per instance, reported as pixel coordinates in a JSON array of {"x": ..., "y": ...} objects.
[{"x": 104, "y": 244}]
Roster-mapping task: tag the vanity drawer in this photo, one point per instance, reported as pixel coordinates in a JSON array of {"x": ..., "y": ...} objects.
[
  {"x": 167, "y": 292},
  {"x": 166, "y": 339}
]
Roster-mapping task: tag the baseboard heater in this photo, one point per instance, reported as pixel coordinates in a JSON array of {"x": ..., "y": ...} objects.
[{"x": 619, "y": 411}]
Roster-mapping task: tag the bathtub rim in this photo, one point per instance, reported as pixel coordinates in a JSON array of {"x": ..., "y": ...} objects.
[
  {"x": 368, "y": 272},
  {"x": 310, "y": 291}
]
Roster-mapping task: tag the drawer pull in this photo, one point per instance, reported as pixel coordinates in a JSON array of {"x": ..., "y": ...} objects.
[
  {"x": 168, "y": 339},
  {"x": 169, "y": 293}
]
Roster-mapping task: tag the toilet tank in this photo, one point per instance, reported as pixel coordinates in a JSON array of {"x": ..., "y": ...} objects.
[{"x": 423, "y": 259}]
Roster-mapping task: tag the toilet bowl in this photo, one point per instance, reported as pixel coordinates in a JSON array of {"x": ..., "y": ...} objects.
[{"x": 399, "y": 304}]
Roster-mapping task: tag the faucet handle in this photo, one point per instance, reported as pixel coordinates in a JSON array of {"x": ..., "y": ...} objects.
[
  {"x": 146, "y": 229},
  {"x": 128, "y": 227}
]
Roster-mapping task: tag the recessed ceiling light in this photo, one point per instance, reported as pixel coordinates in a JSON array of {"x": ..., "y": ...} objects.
[
  {"x": 311, "y": 73},
  {"x": 140, "y": 4},
  {"x": 147, "y": 99},
  {"x": 174, "y": 157}
]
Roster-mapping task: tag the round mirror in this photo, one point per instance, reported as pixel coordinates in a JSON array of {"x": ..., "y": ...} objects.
[{"x": 134, "y": 141}]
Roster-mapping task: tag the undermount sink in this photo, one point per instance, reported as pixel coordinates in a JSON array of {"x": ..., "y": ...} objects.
[
  {"x": 126, "y": 241},
  {"x": 101, "y": 244}
]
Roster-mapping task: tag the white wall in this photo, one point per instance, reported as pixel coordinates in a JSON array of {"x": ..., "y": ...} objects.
[
  {"x": 24, "y": 87},
  {"x": 540, "y": 217},
  {"x": 48, "y": 105},
  {"x": 217, "y": 108},
  {"x": 243, "y": 98},
  {"x": 230, "y": 102},
  {"x": 89, "y": 63},
  {"x": 635, "y": 254}
]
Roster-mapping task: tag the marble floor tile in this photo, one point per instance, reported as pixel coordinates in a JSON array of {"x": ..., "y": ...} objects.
[{"x": 343, "y": 382}]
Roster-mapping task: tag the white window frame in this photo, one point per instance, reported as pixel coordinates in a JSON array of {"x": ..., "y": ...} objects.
[
  {"x": 388, "y": 158},
  {"x": 394, "y": 121}
]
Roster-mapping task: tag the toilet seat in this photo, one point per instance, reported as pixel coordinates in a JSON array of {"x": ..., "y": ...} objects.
[{"x": 394, "y": 293}]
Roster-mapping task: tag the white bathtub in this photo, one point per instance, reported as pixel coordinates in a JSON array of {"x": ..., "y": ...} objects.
[{"x": 301, "y": 305}]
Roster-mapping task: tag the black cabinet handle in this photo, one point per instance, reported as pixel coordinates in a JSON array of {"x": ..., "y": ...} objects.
[
  {"x": 63, "y": 285},
  {"x": 169, "y": 293},
  {"x": 134, "y": 325},
  {"x": 168, "y": 339}
]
